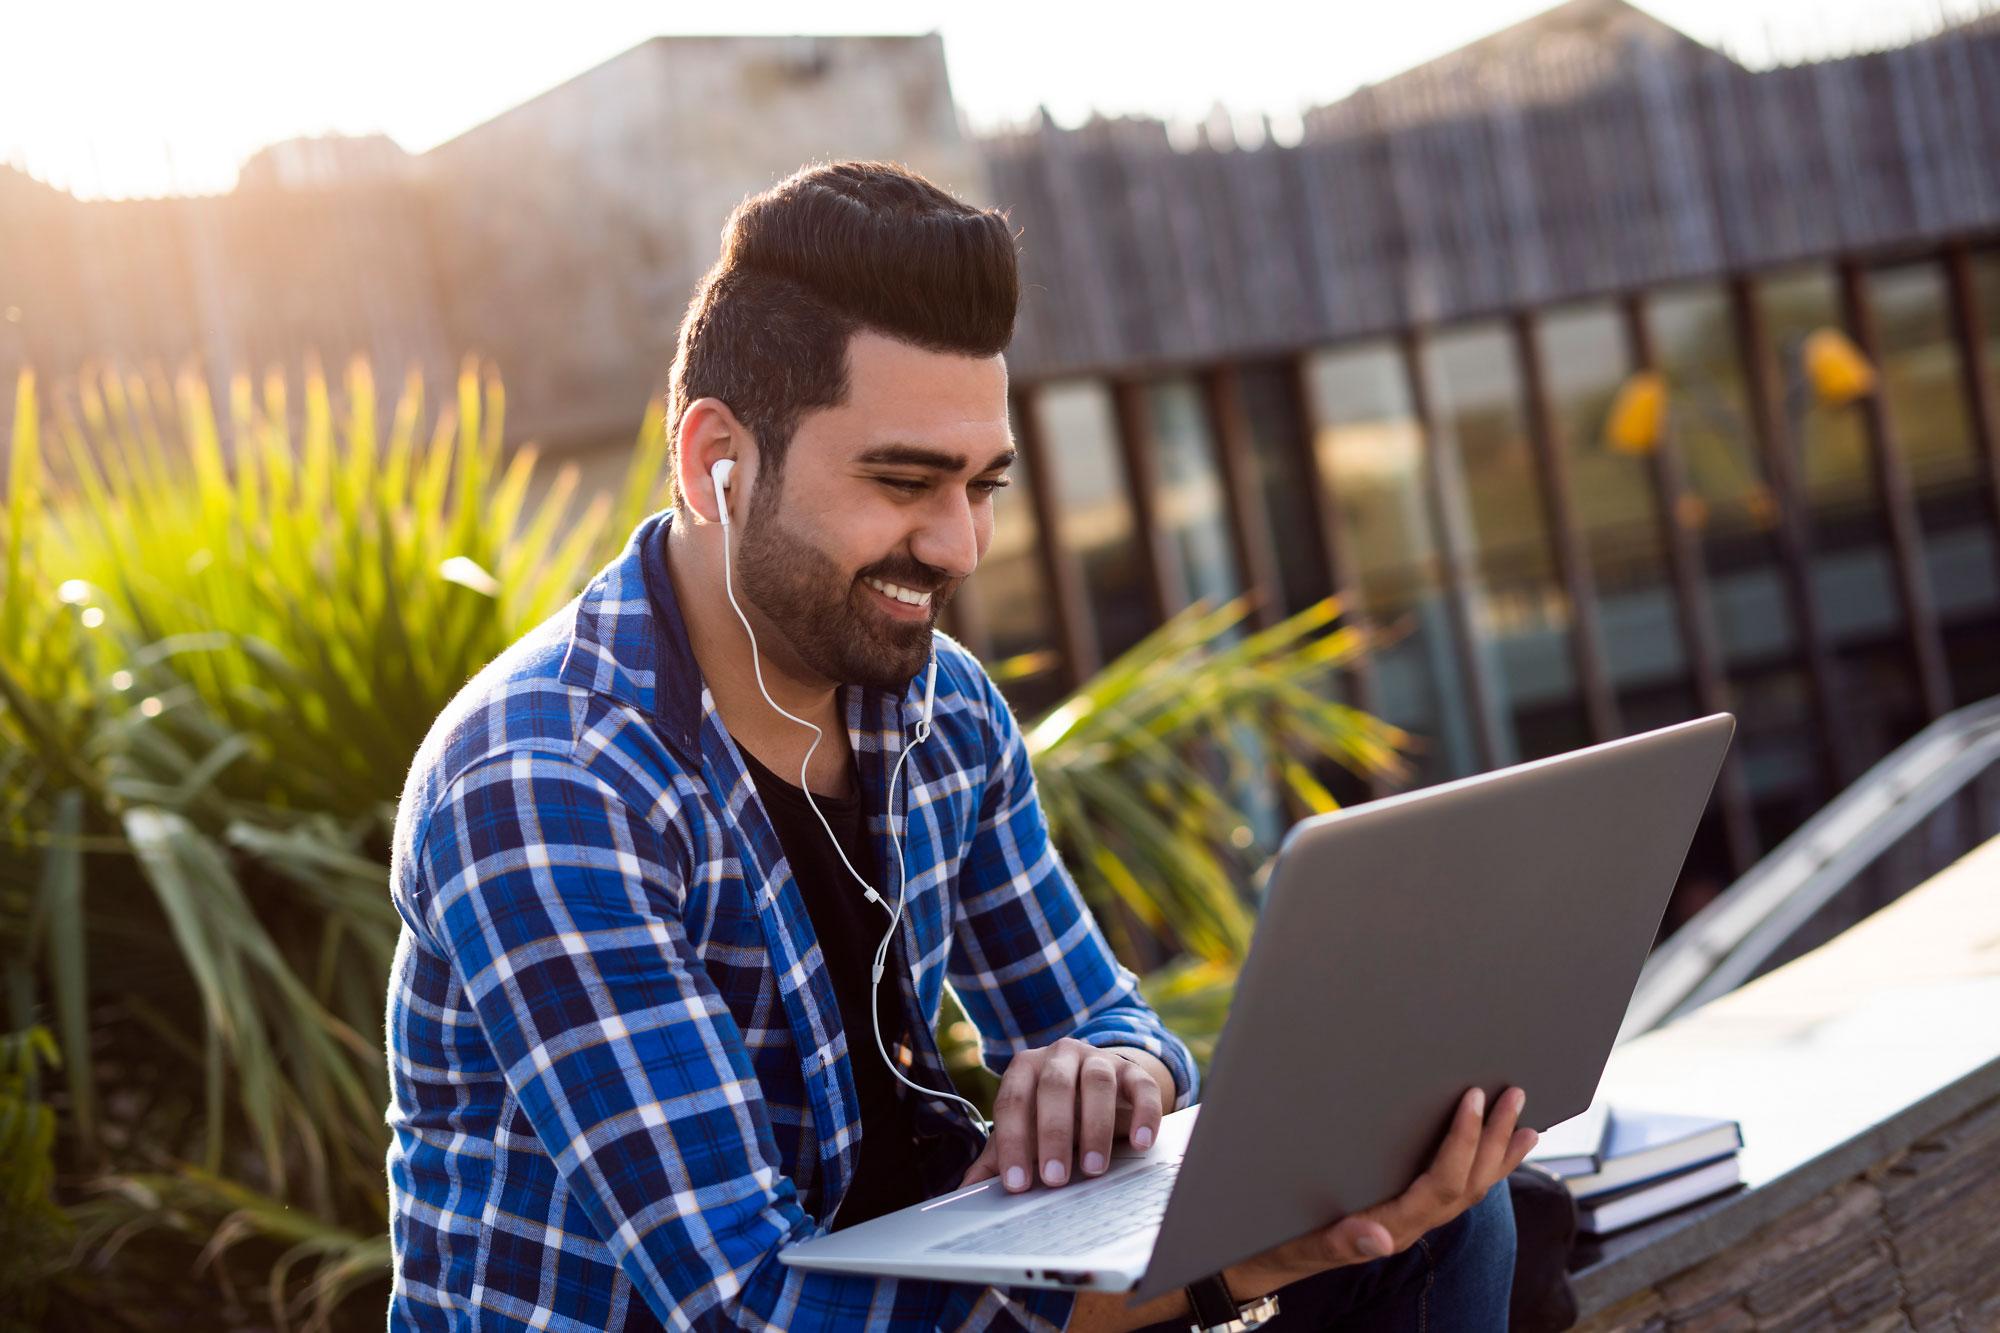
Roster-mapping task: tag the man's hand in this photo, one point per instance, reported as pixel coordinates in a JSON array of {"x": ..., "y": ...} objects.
[
  {"x": 1478, "y": 1152},
  {"x": 1060, "y": 1108}
]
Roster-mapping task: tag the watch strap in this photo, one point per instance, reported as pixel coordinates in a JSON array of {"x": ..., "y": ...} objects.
[
  {"x": 1213, "y": 1306},
  {"x": 1216, "y": 1311}
]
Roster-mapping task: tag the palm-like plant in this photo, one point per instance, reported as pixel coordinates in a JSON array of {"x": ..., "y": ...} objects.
[
  {"x": 215, "y": 664},
  {"x": 218, "y": 652}
]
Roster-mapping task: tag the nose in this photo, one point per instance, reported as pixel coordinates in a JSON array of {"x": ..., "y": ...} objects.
[{"x": 948, "y": 539}]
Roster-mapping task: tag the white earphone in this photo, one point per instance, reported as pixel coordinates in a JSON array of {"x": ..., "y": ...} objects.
[{"x": 720, "y": 474}]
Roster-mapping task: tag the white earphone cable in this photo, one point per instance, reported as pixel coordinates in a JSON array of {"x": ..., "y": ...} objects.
[{"x": 902, "y": 871}]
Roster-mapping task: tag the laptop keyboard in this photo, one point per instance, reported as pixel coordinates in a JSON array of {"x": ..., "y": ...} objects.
[{"x": 1075, "y": 1223}]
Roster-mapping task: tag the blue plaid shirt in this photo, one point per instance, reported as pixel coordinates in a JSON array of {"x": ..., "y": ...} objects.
[{"x": 619, "y": 1082}]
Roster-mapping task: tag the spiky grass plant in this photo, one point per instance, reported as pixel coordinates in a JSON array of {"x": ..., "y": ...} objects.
[{"x": 219, "y": 648}]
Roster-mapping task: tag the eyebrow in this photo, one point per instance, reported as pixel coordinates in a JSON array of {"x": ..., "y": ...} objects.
[{"x": 919, "y": 455}]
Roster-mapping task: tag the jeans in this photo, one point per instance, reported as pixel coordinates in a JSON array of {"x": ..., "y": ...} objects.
[{"x": 1454, "y": 1279}]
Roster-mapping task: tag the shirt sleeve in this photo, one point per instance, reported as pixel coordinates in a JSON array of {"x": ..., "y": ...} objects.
[
  {"x": 1028, "y": 960},
  {"x": 557, "y": 905}
]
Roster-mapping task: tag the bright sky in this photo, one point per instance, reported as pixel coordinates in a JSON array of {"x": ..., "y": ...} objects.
[{"x": 141, "y": 97}]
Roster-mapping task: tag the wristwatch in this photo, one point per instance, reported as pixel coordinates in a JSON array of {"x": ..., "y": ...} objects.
[{"x": 1216, "y": 1311}]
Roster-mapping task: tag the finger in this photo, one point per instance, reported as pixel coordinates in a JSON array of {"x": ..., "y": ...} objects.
[
  {"x": 1142, "y": 1097},
  {"x": 1488, "y": 1165},
  {"x": 1437, "y": 1196},
  {"x": 1097, "y": 1092},
  {"x": 1519, "y": 1147},
  {"x": 1359, "y": 1239},
  {"x": 1452, "y": 1166},
  {"x": 1354, "y": 1239},
  {"x": 1055, "y": 1112},
  {"x": 1014, "y": 1122},
  {"x": 984, "y": 1167}
]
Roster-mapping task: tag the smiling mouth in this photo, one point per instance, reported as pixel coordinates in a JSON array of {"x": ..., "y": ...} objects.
[{"x": 909, "y": 597}]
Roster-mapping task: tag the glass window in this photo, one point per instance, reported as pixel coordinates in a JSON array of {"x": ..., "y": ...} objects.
[
  {"x": 1854, "y": 590},
  {"x": 1285, "y": 476},
  {"x": 1730, "y": 503},
  {"x": 1095, "y": 508},
  {"x": 1921, "y": 383},
  {"x": 1193, "y": 513},
  {"x": 1729, "y": 499},
  {"x": 1923, "y": 387},
  {"x": 1192, "y": 509},
  {"x": 1270, "y": 403},
  {"x": 1020, "y": 621},
  {"x": 1584, "y": 361},
  {"x": 1371, "y": 455},
  {"x": 1489, "y": 478},
  {"x": 1852, "y": 584}
]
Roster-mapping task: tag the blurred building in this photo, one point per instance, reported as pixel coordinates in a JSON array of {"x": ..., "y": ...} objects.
[
  {"x": 1382, "y": 363},
  {"x": 1379, "y": 363},
  {"x": 1577, "y": 47},
  {"x": 560, "y": 239}
]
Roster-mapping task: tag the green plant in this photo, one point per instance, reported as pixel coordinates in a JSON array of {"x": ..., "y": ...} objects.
[
  {"x": 1136, "y": 767},
  {"x": 218, "y": 651},
  {"x": 34, "y": 1234}
]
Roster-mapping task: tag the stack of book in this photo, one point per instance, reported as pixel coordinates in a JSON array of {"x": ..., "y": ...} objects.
[{"x": 1624, "y": 1166}]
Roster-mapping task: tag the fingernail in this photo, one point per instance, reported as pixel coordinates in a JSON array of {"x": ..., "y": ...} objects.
[
  {"x": 1371, "y": 1245},
  {"x": 1520, "y": 1100},
  {"x": 1053, "y": 1172},
  {"x": 1093, "y": 1162},
  {"x": 1479, "y": 1101},
  {"x": 1017, "y": 1179},
  {"x": 1142, "y": 1137}
]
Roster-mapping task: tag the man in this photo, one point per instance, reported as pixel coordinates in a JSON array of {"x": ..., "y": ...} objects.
[{"x": 644, "y": 867}]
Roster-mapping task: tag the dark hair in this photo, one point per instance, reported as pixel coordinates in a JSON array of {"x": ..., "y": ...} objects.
[{"x": 833, "y": 248}]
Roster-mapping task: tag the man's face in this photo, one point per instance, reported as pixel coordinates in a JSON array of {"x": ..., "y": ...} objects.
[{"x": 889, "y": 493}]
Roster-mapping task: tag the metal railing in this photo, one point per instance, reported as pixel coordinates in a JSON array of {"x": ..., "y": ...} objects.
[{"x": 1735, "y": 938}]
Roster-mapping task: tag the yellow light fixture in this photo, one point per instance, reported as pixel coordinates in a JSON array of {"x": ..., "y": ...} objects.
[
  {"x": 1838, "y": 372},
  {"x": 1638, "y": 414}
]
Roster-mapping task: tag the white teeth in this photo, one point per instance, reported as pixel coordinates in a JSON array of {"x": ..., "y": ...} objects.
[{"x": 901, "y": 594}]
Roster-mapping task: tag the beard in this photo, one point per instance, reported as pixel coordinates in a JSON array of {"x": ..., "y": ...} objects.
[{"x": 828, "y": 617}]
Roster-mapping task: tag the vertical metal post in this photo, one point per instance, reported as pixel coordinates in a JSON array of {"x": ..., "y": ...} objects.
[
  {"x": 1455, "y": 561},
  {"x": 1546, "y": 438},
  {"x": 1687, "y": 568},
  {"x": 1062, "y": 570},
  {"x": 1774, "y": 442},
  {"x": 1968, "y": 326},
  {"x": 1142, "y": 475},
  {"x": 1899, "y": 509},
  {"x": 1236, "y": 465}
]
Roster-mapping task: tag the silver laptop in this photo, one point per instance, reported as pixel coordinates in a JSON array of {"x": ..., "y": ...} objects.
[{"x": 1486, "y": 931}]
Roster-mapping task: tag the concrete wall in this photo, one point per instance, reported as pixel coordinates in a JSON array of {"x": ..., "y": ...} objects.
[{"x": 572, "y": 230}]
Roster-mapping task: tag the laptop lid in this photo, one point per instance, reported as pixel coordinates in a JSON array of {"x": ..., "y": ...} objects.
[{"x": 1488, "y": 930}]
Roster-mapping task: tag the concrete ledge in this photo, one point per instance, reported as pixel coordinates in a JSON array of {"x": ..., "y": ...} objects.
[{"x": 1867, "y": 1078}]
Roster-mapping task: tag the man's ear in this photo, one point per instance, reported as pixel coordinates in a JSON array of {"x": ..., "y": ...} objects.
[{"x": 710, "y": 432}]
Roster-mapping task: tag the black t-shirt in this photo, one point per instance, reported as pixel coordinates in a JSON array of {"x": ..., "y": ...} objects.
[
  {"x": 849, "y": 929},
  {"x": 894, "y": 1166}
]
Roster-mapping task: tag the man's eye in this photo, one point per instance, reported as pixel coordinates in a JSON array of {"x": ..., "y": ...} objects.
[
  {"x": 903, "y": 484},
  {"x": 991, "y": 484}
]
